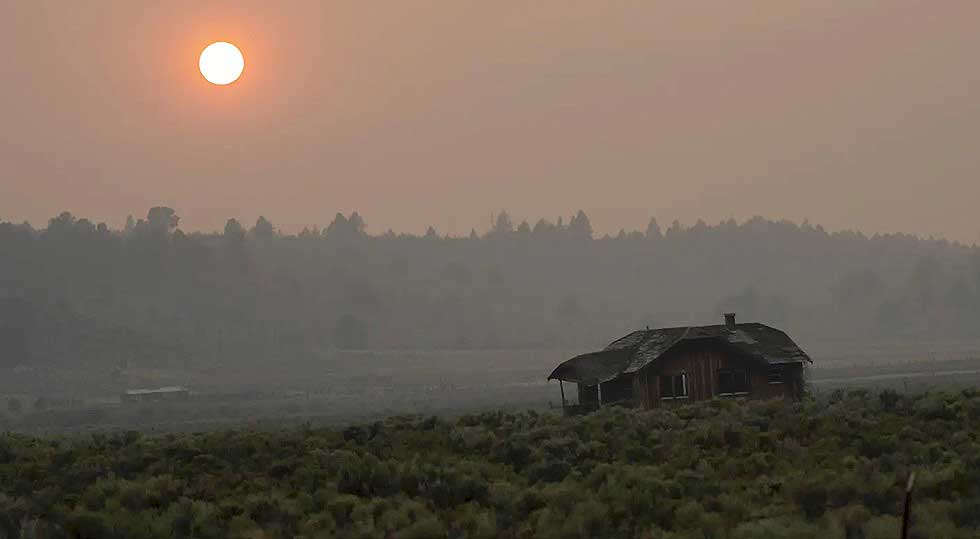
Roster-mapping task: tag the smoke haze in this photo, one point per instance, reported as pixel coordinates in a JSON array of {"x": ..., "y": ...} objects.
[{"x": 851, "y": 114}]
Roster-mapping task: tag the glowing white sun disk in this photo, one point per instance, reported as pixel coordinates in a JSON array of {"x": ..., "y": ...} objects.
[{"x": 221, "y": 63}]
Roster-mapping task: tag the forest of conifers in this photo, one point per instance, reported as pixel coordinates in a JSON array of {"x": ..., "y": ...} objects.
[{"x": 77, "y": 289}]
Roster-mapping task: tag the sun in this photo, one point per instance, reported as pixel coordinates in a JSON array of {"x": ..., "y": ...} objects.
[{"x": 221, "y": 63}]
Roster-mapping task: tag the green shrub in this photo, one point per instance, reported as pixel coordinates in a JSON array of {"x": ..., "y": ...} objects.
[{"x": 708, "y": 470}]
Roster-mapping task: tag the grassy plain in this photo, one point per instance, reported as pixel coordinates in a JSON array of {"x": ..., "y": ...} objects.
[{"x": 335, "y": 387}]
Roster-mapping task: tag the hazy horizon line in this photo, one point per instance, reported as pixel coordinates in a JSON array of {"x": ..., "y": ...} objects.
[{"x": 488, "y": 228}]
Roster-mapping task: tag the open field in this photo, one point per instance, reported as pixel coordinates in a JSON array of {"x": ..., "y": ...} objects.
[{"x": 341, "y": 387}]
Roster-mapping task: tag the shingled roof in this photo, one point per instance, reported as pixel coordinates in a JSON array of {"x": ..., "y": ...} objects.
[{"x": 640, "y": 348}]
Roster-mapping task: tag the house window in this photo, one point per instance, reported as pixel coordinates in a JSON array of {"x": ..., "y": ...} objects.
[
  {"x": 673, "y": 386},
  {"x": 731, "y": 382},
  {"x": 775, "y": 374}
]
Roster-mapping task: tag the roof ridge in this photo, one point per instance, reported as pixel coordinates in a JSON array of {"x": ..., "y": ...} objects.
[{"x": 650, "y": 332}]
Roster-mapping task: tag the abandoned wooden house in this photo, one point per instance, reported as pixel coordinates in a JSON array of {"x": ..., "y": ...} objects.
[
  {"x": 158, "y": 394},
  {"x": 654, "y": 367}
]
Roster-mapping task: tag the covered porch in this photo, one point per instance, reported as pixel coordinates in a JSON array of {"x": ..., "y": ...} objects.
[{"x": 598, "y": 381}]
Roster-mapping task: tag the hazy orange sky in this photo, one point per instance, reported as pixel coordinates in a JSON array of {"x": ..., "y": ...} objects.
[{"x": 850, "y": 113}]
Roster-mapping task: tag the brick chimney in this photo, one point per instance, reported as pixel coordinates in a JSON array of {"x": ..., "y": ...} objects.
[{"x": 730, "y": 321}]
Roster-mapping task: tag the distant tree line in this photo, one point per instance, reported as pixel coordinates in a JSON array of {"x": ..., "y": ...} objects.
[{"x": 78, "y": 290}]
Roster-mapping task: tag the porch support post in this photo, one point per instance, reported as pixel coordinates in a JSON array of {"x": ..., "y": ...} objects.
[{"x": 598, "y": 389}]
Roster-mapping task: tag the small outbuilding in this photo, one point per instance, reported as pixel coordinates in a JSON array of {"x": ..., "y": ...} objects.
[{"x": 654, "y": 367}]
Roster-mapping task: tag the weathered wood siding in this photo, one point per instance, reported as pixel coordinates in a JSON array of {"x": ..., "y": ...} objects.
[
  {"x": 701, "y": 364},
  {"x": 618, "y": 390}
]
